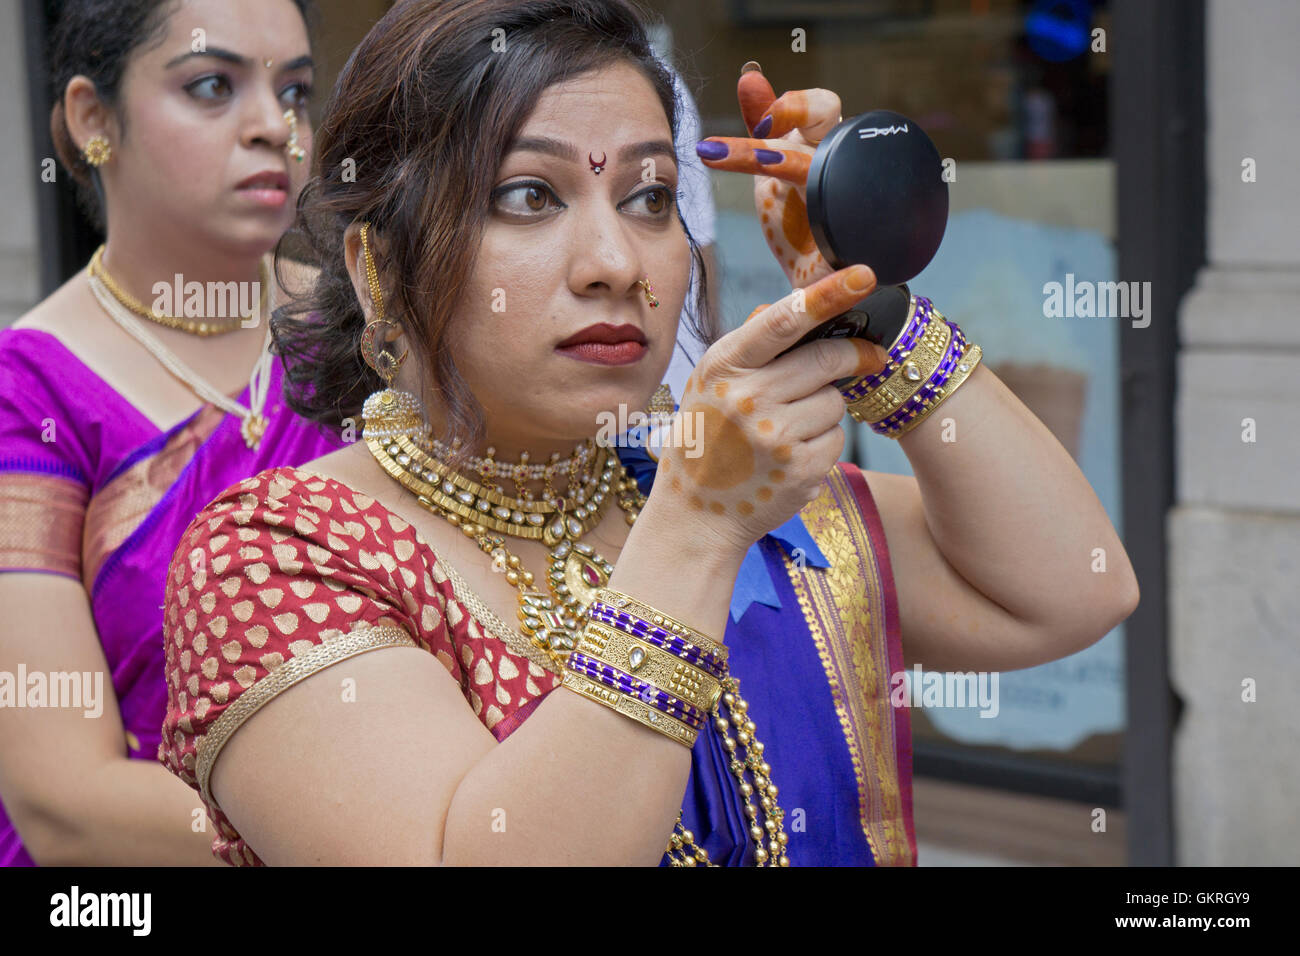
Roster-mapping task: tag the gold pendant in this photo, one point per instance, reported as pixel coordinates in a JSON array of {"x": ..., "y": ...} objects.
[
  {"x": 252, "y": 429},
  {"x": 577, "y": 572}
]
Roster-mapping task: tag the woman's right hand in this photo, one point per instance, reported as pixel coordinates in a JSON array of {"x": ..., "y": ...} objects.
[{"x": 760, "y": 433}]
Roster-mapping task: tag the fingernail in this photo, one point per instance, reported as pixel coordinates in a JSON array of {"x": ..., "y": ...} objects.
[
  {"x": 751, "y": 67},
  {"x": 711, "y": 150},
  {"x": 871, "y": 357},
  {"x": 768, "y": 157},
  {"x": 761, "y": 130},
  {"x": 859, "y": 279}
]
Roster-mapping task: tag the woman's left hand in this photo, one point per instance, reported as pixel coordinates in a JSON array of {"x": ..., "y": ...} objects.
[{"x": 787, "y": 130}]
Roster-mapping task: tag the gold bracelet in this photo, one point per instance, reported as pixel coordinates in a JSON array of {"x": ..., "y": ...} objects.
[
  {"x": 661, "y": 668},
  {"x": 909, "y": 378},
  {"x": 626, "y": 602},
  {"x": 630, "y": 706},
  {"x": 960, "y": 373}
]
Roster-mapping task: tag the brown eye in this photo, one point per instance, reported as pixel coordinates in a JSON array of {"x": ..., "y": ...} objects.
[
  {"x": 657, "y": 201},
  {"x": 536, "y": 197}
]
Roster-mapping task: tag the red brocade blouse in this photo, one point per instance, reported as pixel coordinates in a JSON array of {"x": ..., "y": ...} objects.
[{"x": 290, "y": 572}]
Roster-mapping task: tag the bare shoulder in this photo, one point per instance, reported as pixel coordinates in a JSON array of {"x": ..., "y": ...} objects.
[
  {"x": 346, "y": 466},
  {"x": 60, "y": 314}
]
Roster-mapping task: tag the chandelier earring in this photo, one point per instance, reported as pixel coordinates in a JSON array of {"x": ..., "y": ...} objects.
[{"x": 389, "y": 412}]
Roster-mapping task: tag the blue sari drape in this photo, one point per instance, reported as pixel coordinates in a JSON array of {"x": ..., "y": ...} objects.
[{"x": 814, "y": 640}]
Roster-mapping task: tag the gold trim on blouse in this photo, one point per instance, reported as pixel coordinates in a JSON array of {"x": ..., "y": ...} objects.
[{"x": 297, "y": 668}]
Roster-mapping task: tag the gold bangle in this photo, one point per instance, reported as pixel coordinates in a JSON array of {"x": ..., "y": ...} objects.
[
  {"x": 910, "y": 377},
  {"x": 631, "y": 707},
  {"x": 661, "y": 668},
  {"x": 626, "y": 602},
  {"x": 960, "y": 373}
]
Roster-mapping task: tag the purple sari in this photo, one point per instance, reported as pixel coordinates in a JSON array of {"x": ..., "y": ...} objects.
[{"x": 90, "y": 489}]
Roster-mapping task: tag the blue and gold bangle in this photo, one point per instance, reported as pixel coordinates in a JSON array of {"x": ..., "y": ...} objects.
[{"x": 931, "y": 359}]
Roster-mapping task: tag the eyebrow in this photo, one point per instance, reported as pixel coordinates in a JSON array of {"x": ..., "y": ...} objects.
[
  {"x": 562, "y": 150},
  {"x": 218, "y": 53}
]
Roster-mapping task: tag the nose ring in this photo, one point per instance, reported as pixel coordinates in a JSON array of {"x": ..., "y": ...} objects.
[
  {"x": 649, "y": 292},
  {"x": 295, "y": 151}
]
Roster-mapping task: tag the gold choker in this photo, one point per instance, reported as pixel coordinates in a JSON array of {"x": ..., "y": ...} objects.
[{"x": 200, "y": 327}]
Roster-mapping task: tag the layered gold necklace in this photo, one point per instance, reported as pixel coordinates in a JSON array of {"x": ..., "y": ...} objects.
[
  {"x": 550, "y": 619},
  {"x": 118, "y": 304},
  {"x": 397, "y": 437}
]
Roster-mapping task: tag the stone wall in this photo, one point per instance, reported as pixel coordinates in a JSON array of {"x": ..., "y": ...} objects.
[{"x": 1234, "y": 535}]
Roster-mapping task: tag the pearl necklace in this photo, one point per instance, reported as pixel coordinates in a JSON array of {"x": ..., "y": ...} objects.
[{"x": 252, "y": 420}]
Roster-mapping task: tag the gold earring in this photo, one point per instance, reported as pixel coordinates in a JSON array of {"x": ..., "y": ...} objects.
[
  {"x": 387, "y": 413},
  {"x": 377, "y": 355},
  {"x": 295, "y": 151},
  {"x": 649, "y": 292},
  {"x": 97, "y": 151}
]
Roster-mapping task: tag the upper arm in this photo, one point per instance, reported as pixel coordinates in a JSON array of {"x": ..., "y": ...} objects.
[
  {"x": 324, "y": 776},
  {"x": 47, "y": 627},
  {"x": 314, "y": 693},
  {"x": 946, "y": 624},
  {"x": 48, "y": 753}
]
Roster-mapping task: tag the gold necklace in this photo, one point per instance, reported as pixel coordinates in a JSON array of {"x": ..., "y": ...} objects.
[
  {"x": 551, "y": 621},
  {"x": 253, "y": 420},
  {"x": 575, "y": 574},
  {"x": 199, "y": 327}
]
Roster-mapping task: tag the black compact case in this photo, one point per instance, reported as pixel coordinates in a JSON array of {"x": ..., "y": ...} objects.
[{"x": 876, "y": 195}]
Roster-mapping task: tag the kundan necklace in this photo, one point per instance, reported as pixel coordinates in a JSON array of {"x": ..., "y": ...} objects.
[
  {"x": 397, "y": 437},
  {"x": 551, "y": 620}
]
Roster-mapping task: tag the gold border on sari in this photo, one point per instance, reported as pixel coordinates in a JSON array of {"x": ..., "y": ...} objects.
[
  {"x": 41, "y": 521},
  {"x": 844, "y": 607},
  {"x": 117, "y": 510},
  {"x": 297, "y": 668}
]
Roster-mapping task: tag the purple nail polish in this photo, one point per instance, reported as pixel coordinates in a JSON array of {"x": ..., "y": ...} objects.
[
  {"x": 768, "y": 157},
  {"x": 764, "y": 125},
  {"x": 710, "y": 150}
]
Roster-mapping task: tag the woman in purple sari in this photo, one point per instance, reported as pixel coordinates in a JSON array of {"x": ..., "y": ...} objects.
[
  {"x": 116, "y": 427},
  {"x": 482, "y": 638}
]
